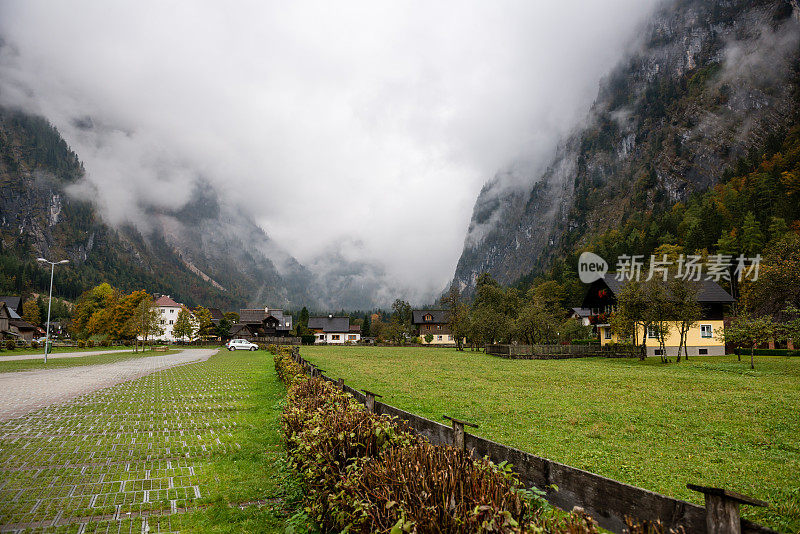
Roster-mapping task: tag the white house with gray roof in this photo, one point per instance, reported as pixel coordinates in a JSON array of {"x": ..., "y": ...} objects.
[{"x": 333, "y": 330}]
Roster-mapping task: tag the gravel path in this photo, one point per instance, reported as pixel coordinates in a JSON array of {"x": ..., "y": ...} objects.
[
  {"x": 77, "y": 354},
  {"x": 26, "y": 391}
]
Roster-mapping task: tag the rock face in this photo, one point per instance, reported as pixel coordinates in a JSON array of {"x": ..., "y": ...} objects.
[
  {"x": 203, "y": 254},
  {"x": 708, "y": 83}
]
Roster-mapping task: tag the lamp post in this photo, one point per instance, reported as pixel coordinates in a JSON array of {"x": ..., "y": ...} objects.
[{"x": 49, "y": 302}]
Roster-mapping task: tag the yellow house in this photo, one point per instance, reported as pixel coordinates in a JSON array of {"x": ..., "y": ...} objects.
[{"x": 703, "y": 338}]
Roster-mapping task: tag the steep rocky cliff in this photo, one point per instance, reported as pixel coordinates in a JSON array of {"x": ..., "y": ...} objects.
[
  {"x": 204, "y": 253},
  {"x": 708, "y": 83}
]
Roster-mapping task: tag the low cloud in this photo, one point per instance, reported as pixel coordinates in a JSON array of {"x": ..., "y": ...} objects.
[{"x": 328, "y": 124}]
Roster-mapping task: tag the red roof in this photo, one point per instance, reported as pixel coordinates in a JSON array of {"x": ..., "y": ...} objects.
[{"x": 165, "y": 301}]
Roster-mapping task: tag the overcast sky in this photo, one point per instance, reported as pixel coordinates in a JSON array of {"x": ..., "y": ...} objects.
[{"x": 365, "y": 126}]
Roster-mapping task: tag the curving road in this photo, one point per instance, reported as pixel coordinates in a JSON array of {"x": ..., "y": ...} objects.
[{"x": 26, "y": 391}]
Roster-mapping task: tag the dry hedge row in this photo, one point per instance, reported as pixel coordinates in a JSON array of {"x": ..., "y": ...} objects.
[{"x": 368, "y": 473}]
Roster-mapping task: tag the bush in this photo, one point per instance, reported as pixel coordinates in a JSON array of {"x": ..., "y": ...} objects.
[
  {"x": 364, "y": 472},
  {"x": 589, "y": 341},
  {"x": 308, "y": 339},
  {"x": 767, "y": 352},
  {"x": 10, "y": 344},
  {"x": 81, "y": 344},
  {"x": 89, "y": 343},
  {"x": 272, "y": 348},
  {"x": 34, "y": 344},
  {"x": 105, "y": 343},
  {"x": 428, "y": 338}
]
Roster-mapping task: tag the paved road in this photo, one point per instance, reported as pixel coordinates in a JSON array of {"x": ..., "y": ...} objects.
[
  {"x": 77, "y": 354},
  {"x": 26, "y": 391}
]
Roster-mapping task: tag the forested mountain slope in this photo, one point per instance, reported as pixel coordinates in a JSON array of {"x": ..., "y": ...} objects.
[
  {"x": 201, "y": 254},
  {"x": 711, "y": 87}
]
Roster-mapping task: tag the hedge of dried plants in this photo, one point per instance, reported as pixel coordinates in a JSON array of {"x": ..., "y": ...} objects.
[{"x": 366, "y": 473}]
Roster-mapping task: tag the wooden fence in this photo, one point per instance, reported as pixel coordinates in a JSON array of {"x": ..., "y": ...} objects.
[
  {"x": 295, "y": 341},
  {"x": 608, "y": 501},
  {"x": 555, "y": 352}
]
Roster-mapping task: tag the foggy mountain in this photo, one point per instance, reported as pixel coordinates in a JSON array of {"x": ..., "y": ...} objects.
[{"x": 707, "y": 83}]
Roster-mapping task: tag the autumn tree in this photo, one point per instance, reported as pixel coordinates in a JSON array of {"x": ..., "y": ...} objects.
[
  {"x": 749, "y": 331},
  {"x": 457, "y": 317},
  {"x": 185, "y": 325},
  {"x": 31, "y": 313},
  {"x": 145, "y": 322},
  {"x": 205, "y": 326},
  {"x": 685, "y": 308},
  {"x": 630, "y": 316},
  {"x": 778, "y": 283}
]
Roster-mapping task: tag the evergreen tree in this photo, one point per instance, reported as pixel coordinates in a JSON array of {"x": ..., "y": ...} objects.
[
  {"x": 752, "y": 236},
  {"x": 728, "y": 243},
  {"x": 366, "y": 327}
]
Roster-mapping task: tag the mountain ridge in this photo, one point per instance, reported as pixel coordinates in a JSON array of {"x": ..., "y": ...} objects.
[{"x": 703, "y": 89}]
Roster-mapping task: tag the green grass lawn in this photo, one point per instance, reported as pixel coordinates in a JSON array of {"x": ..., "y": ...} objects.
[
  {"x": 55, "y": 350},
  {"x": 60, "y": 363},
  {"x": 709, "y": 421}
]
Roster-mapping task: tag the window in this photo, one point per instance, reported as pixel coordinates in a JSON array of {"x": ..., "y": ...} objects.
[
  {"x": 162, "y": 321},
  {"x": 171, "y": 321},
  {"x": 438, "y": 338},
  {"x": 652, "y": 332},
  {"x": 702, "y": 352},
  {"x": 335, "y": 337},
  {"x": 351, "y": 337},
  {"x": 657, "y": 352},
  {"x": 607, "y": 332},
  {"x": 428, "y": 318},
  {"x": 705, "y": 330},
  {"x": 172, "y": 311}
]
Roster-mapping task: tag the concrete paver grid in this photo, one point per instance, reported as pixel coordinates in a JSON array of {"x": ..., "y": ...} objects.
[
  {"x": 26, "y": 391},
  {"x": 123, "y": 459}
]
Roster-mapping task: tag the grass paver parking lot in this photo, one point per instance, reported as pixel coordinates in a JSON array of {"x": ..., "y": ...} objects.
[
  {"x": 7, "y": 366},
  {"x": 709, "y": 421},
  {"x": 168, "y": 452}
]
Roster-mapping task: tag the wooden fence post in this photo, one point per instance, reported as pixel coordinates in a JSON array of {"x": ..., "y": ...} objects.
[
  {"x": 370, "y": 401},
  {"x": 722, "y": 509},
  {"x": 458, "y": 431},
  {"x": 340, "y": 384}
]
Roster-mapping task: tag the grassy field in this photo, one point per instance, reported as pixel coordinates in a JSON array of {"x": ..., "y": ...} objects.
[
  {"x": 709, "y": 421},
  {"x": 7, "y": 366}
]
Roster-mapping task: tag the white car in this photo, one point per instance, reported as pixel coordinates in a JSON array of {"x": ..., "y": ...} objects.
[{"x": 241, "y": 344}]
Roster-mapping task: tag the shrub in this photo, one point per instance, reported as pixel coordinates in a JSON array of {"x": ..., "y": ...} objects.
[
  {"x": 272, "y": 348},
  {"x": 81, "y": 344},
  {"x": 767, "y": 352},
  {"x": 10, "y": 344},
  {"x": 308, "y": 339},
  {"x": 428, "y": 338},
  {"x": 105, "y": 342},
  {"x": 89, "y": 343},
  {"x": 364, "y": 472},
  {"x": 34, "y": 344}
]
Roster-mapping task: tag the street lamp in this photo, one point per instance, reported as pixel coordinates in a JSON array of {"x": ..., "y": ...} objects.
[{"x": 49, "y": 302}]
